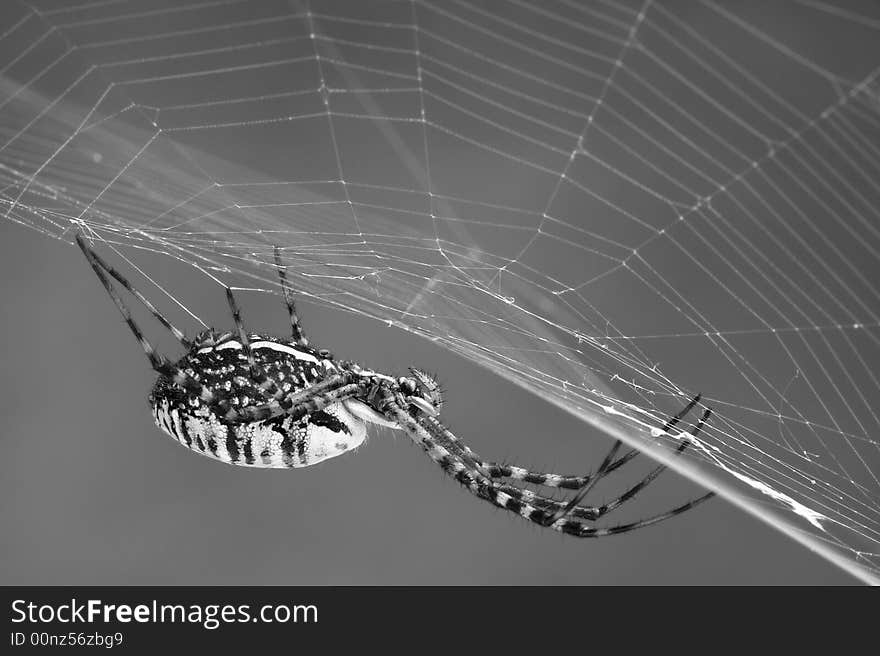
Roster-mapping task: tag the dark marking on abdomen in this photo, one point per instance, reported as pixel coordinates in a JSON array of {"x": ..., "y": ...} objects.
[
  {"x": 232, "y": 447},
  {"x": 289, "y": 445},
  {"x": 328, "y": 421},
  {"x": 248, "y": 452}
]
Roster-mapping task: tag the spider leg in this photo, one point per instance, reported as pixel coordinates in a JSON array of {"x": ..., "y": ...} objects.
[
  {"x": 95, "y": 259},
  {"x": 464, "y": 452},
  {"x": 494, "y": 470},
  {"x": 563, "y": 481},
  {"x": 580, "y": 530},
  {"x": 257, "y": 374},
  {"x": 521, "y": 502},
  {"x": 576, "y": 482},
  {"x": 295, "y": 405},
  {"x": 547, "y": 504},
  {"x": 678, "y": 417},
  {"x": 158, "y": 362},
  {"x": 594, "y": 513},
  {"x": 239, "y": 326},
  {"x": 641, "y": 485},
  {"x": 588, "y": 513},
  {"x": 603, "y": 468},
  {"x": 331, "y": 390},
  {"x": 585, "y": 490},
  {"x": 434, "y": 438},
  {"x": 544, "y": 503},
  {"x": 422, "y": 435},
  {"x": 296, "y": 329}
]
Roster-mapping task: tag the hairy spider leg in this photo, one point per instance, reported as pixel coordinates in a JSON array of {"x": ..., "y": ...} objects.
[
  {"x": 491, "y": 470},
  {"x": 583, "y": 531},
  {"x": 257, "y": 373},
  {"x": 296, "y": 329},
  {"x": 596, "y": 512},
  {"x": 239, "y": 326},
  {"x": 545, "y": 503},
  {"x": 603, "y": 468},
  {"x": 158, "y": 362},
  {"x": 654, "y": 473},
  {"x": 525, "y": 495},
  {"x": 588, "y": 513},
  {"x": 547, "y": 479},
  {"x": 422, "y": 435},
  {"x": 672, "y": 421},
  {"x": 297, "y": 404},
  {"x": 495, "y": 470},
  {"x": 577, "y": 482},
  {"x": 94, "y": 259},
  {"x": 300, "y": 403},
  {"x": 575, "y": 501},
  {"x": 268, "y": 385},
  {"x": 464, "y": 451},
  {"x": 294, "y": 404},
  {"x": 485, "y": 489},
  {"x": 565, "y": 481}
]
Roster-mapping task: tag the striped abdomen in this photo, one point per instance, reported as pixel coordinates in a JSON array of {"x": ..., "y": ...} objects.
[{"x": 276, "y": 443}]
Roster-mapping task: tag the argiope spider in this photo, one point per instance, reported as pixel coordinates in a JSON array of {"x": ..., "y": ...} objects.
[{"x": 261, "y": 401}]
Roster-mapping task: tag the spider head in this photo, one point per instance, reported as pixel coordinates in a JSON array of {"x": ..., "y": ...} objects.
[{"x": 422, "y": 391}]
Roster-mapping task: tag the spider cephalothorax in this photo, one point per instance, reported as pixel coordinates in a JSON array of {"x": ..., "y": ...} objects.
[{"x": 262, "y": 401}]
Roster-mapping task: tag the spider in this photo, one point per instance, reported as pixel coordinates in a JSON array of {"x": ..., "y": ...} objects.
[{"x": 261, "y": 401}]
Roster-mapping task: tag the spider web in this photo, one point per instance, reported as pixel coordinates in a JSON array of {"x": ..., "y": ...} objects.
[{"x": 613, "y": 204}]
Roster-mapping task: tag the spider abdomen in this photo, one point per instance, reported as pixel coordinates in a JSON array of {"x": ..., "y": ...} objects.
[
  {"x": 274, "y": 443},
  {"x": 281, "y": 442}
]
